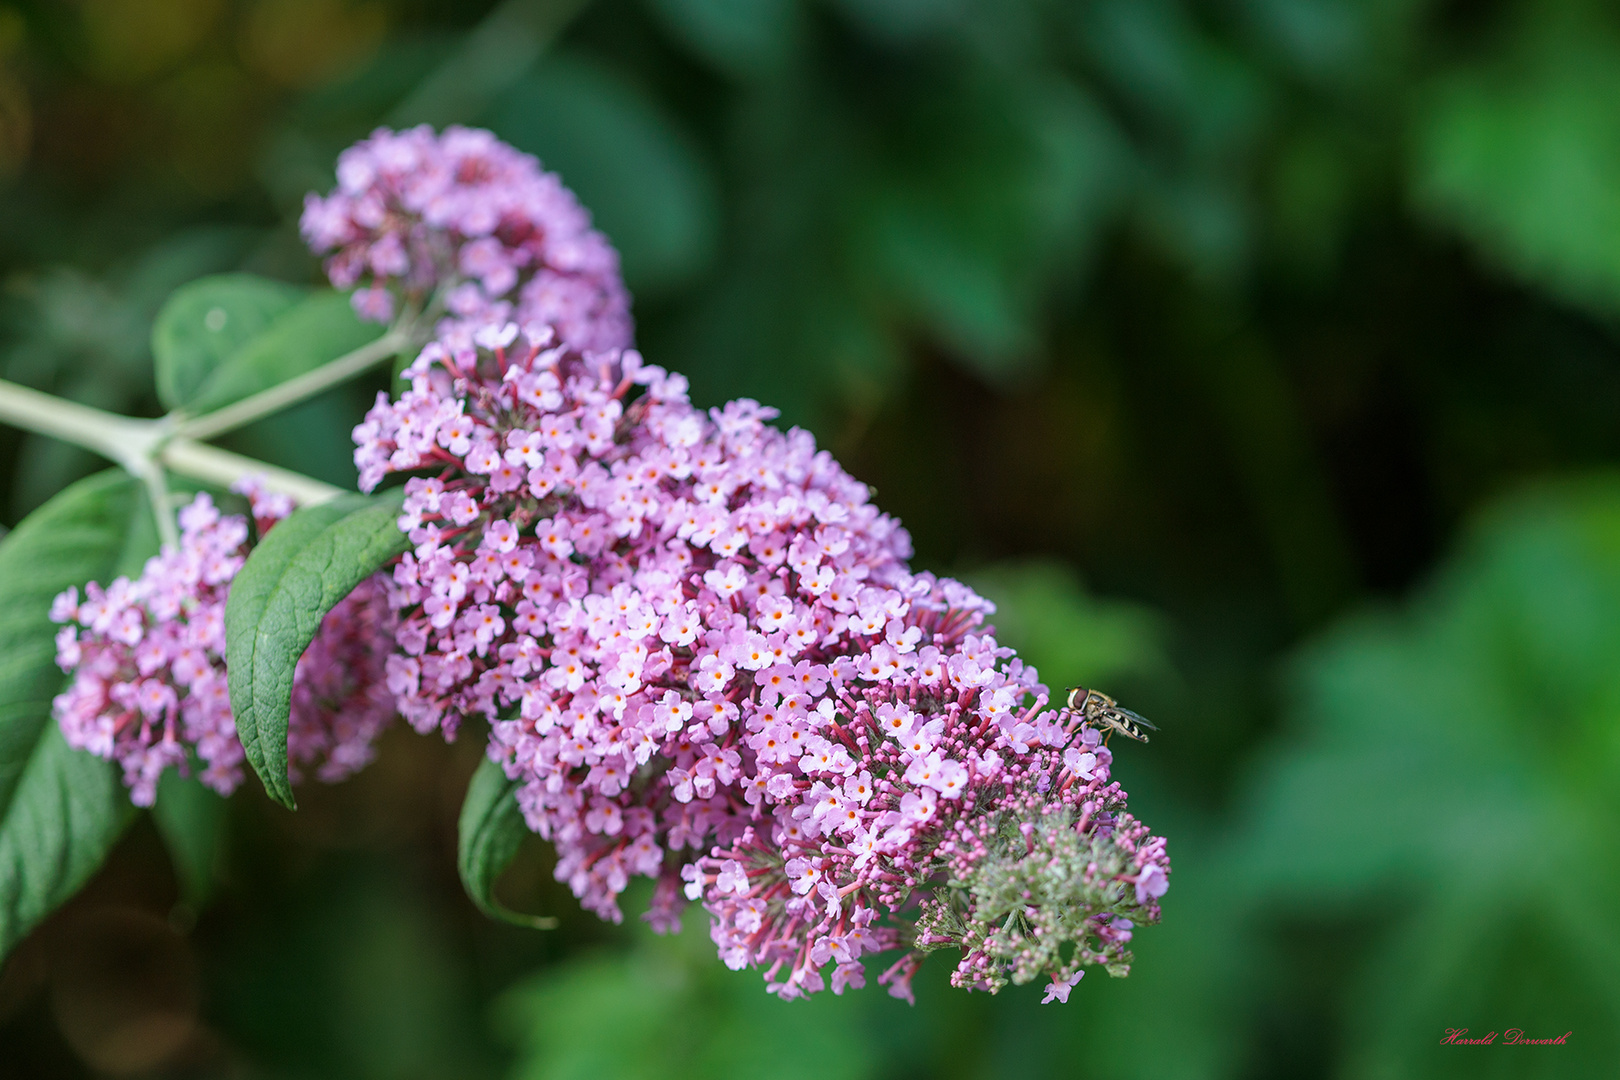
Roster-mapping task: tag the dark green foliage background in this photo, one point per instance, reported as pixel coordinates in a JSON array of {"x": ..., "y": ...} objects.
[{"x": 1259, "y": 356}]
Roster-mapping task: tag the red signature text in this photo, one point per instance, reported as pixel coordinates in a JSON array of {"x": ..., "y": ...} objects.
[{"x": 1510, "y": 1037}]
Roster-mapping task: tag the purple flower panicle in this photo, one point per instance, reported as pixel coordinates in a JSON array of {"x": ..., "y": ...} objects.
[
  {"x": 461, "y": 211},
  {"x": 700, "y": 649},
  {"x": 147, "y": 657}
]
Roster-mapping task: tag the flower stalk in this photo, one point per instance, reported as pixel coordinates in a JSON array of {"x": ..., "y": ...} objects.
[
  {"x": 215, "y": 466},
  {"x": 144, "y": 448},
  {"x": 293, "y": 391},
  {"x": 130, "y": 442}
]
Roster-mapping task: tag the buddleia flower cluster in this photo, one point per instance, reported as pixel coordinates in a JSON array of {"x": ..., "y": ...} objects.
[
  {"x": 700, "y": 650},
  {"x": 698, "y": 647},
  {"x": 147, "y": 658},
  {"x": 415, "y": 212}
]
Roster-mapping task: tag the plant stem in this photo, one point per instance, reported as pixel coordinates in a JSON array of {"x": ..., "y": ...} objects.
[
  {"x": 157, "y": 493},
  {"x": 499, "y": 51},
  {"x": 292, "y": 391},
  {"x": 141, "y": 446},
  {"x": 123, "y": 439},
  {"x": 202, "y": 462}
]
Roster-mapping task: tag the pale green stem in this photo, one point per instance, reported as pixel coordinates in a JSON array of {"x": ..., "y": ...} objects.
[
  {"x": 157, "y": 493},
  {"x": 203, "y": 462},
  {"x": 491, "y": 59},
  {"x": 293, "y": 391},
  {"x": 140, "y": 446},
  {"x": 123, "y": 439}
]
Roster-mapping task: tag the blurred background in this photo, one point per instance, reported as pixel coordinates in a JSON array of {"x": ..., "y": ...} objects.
[{"x": 1259, "y": 357}]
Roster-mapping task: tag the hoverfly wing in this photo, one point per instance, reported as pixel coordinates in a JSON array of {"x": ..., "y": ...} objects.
[
  {"x": 1126, "y": 723},
  {"x": 1140, "y": 721}
]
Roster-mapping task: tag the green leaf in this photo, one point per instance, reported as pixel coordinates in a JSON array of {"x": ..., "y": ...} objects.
[
  {"x": 191, "y": 819},
  {"x": 67, "y": 811},
  {"x": 223, "y": 338},
  {"x": 491, "y": 831},
  {"x": 645, "y": 183},
  {"x": 1460, "y": 756},
  {"x": 746, "y": 38},
  {"x": 320, "y": 328},
  {"x": 1518, "y": 153},
  {"x": 1545, "y": 961},
  {"x": 1019, "y": 178},
  {"x": 207, "y": 321},
  {"x": 60, "y": 809},
  {"x": 664, "y": 1007},
  {"x": 1072, "y": 638},
  {"x": 298, "y": 573}
]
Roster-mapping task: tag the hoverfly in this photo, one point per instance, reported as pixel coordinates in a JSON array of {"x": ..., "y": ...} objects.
[{"x": 1103, "y": 712}]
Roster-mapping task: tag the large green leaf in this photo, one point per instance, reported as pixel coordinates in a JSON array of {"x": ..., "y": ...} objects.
[
  {"x": 747, "y": 38},
  {"x": 1462, "y": 756},
  {"x": 207, "y": 321},
  {"x": 1072, "y": 638},
  {"x": 1519, "y": 151},
  {"x": 668, "y": 1008},
  {"x": 321, "y": 327},
  {"x": 67, "y": 811},
  {"x": 491, "y": 831},
  {"x": 635, "y": 168},
  {"x": 223, "y": 338},
  {"x": 60, "y": 809},
  {"x": 1019, "y": 177},
  {"x": 298, "y": 573}
]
